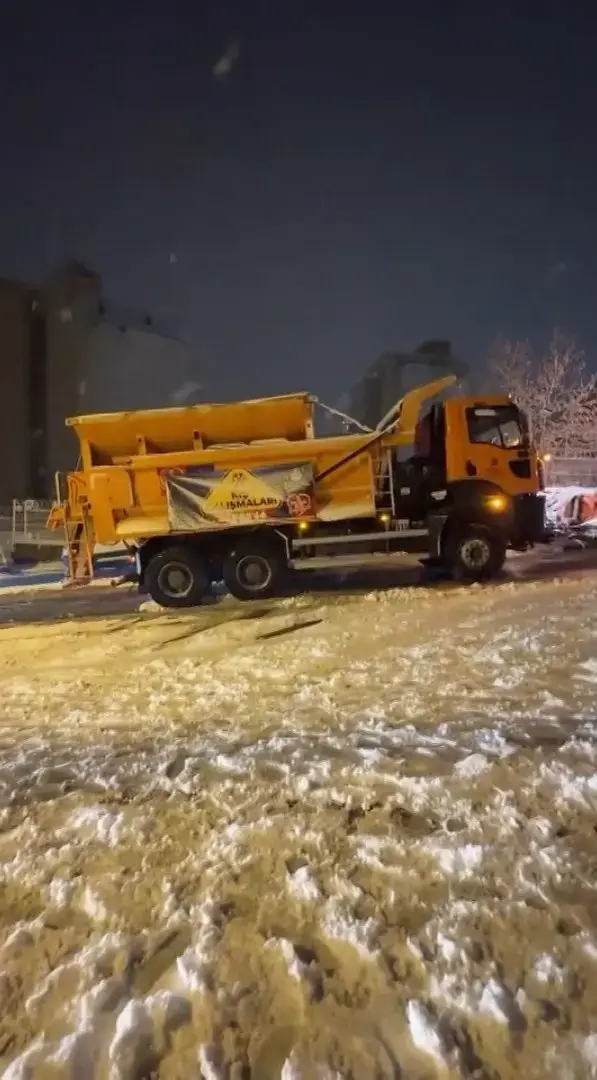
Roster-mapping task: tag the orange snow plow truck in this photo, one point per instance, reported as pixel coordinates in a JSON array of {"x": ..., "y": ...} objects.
[{"x": 246, "y": 492}]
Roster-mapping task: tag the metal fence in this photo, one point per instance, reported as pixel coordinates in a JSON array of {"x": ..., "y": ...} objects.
[
  {"x": 24, "y": 521},
  {"x": 29, "y": 518},
  {"x": 571, "y": 472}
]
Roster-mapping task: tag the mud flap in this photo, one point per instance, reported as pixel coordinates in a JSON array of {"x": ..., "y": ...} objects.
[{"x": 436, "y": 524}]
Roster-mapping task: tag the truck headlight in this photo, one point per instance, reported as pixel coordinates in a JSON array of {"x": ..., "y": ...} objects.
[{"x": 496, "y": 503}]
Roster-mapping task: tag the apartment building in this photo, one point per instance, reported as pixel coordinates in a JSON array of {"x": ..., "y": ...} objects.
[
  {"x": 22, "y": 427},
  {"x": 393, "y": 374},
  {"x": 62, "y": 355}
]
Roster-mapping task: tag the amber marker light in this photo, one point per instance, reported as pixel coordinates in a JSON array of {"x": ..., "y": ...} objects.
[{"x": 496, "y": 503}]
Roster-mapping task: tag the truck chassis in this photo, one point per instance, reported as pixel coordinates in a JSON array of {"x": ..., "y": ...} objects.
[{"x": 254, "y": 563}]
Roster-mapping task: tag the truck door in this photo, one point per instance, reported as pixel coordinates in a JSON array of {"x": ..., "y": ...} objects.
[{"x": 491, "y": 442}]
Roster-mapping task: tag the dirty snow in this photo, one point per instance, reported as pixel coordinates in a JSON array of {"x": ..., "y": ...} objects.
[{"x": 321, "y": 837}]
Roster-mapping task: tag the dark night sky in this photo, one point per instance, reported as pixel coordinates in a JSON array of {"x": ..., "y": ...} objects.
[{"x": 370, "y": 174}]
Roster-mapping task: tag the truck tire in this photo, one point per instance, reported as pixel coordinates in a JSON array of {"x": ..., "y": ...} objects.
[
  {"x": 475, "y": 553},
  {"x": 254, "y": 571},
  {"x": 177, "y": 577}
]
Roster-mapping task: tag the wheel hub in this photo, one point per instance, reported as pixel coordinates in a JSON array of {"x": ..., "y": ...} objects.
[
  {"x": 475, "y": 553},
  {"x": 254, "y": 572},
  {"x": 175, "y": 580}
]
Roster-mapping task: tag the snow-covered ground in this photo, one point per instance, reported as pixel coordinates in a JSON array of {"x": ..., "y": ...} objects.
[{"x": 323, "y": 837}]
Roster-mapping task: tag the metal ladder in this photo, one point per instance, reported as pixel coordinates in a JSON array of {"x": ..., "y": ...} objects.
[
  {"x": 384, "y": 478},
  {"x": 78, "y": 534},
  {"x": 79, "y": 551}
]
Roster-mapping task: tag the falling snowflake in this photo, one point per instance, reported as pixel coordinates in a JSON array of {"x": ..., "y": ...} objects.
[
  {"x": 223, "y": 66},
  {"x": 184, "y": 392}
]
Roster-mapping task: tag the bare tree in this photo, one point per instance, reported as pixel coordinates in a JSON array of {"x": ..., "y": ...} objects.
[{"x": 554, "y": 390}]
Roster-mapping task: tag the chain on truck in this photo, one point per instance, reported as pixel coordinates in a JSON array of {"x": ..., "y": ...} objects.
[{"x": 246, "y": 492}]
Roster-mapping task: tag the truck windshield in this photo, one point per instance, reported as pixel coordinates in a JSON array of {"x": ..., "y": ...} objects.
[{"x": 500, "y": 425}]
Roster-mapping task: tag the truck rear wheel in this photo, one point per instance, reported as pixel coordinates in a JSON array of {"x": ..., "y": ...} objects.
[
  {"x": 177, "y": 577},
  {"x": 254, "y": 571},
  {"x": 474, "y": 553}
]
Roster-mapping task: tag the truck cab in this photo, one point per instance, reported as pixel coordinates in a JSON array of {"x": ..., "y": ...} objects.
[
  {"x": 475, "y": 454},
  {"x": 489, "y": 437}
]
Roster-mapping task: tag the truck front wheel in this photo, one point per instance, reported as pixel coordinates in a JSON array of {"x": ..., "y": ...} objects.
[
  {"x": 474, "y": 553},
  {"x": 253, "y": 571},
  {"x": 177, "y": 577}
]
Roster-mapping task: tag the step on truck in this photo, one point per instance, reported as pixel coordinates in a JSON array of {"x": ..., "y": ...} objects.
[{"x": 246, "y": 492}]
